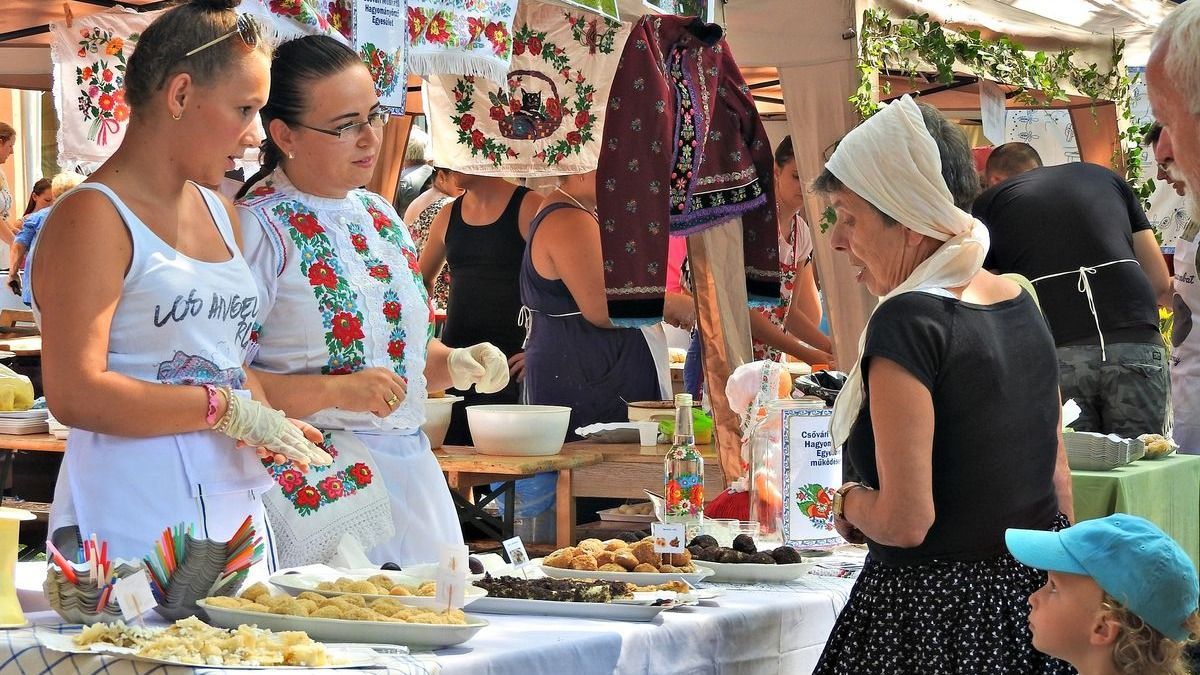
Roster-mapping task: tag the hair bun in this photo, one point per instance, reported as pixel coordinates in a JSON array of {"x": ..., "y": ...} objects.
[{"x": 216, "y": 5}]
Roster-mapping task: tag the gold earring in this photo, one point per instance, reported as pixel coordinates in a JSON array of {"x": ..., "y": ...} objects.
[
  {"x": 177, "y": 117},
  {"x": 291, "y": 155}
]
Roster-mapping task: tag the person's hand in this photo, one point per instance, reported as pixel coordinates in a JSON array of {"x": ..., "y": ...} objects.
[
  {"x": 259, "y": 426},
  {"x": 310, "y": 432},
  {"x": 848, "y": 531},
  {"x": 482, "y": 365},
  {"x": 679, "y": 310},
  {"x": 516, "y": 367},
  {"x": 373, "y": 390}
]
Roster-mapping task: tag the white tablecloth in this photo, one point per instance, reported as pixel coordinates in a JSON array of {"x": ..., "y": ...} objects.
[{"x": 750, "y": 629}]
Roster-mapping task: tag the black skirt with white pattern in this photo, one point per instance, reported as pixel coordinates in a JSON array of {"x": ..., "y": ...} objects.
[{"x": 940, "y": 618}]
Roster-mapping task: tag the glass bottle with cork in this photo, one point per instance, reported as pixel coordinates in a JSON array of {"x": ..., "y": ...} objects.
[{"x": 683, "y": 472}]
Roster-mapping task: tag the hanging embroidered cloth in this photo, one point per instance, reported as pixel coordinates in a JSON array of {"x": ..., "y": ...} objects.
[
  {"x": 89, "y": 76},
  {"x": 460, "y": 37},
  {"x": 547, "y": 117},
  {"x": 378, "y": 37}
]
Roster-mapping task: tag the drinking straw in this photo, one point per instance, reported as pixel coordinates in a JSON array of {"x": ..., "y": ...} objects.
[{"x": 62, "y": 563}]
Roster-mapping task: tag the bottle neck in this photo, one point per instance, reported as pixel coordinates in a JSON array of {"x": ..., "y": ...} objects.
[{"x": 683, "y": 427}]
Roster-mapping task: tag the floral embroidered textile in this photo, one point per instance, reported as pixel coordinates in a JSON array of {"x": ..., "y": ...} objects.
[
  {"x": 89, "y": 76},
  {"x": 546, "y": 117},
  {"x": 379, "y": 37},
  {"x": 460, "y": 37},
  {"x": 310, "y": 512}
]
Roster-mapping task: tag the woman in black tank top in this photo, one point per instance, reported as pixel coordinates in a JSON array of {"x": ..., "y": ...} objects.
[{"x": 485, "y": 296}]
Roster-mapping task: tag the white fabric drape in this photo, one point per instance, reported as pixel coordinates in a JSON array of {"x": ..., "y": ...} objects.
[{"x": 892, "y": 161}]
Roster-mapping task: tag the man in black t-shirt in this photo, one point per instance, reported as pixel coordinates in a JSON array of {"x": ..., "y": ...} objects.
[{"x": 1078, "y": 232}]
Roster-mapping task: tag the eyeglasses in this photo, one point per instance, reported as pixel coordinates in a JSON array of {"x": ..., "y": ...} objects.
[
  {"x": 247, "y": 28},
  {"x": 375, "y": 120}
]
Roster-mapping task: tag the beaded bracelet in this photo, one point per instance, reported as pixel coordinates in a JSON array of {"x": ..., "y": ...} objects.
[
  {"x": 210, "y": 417},
  {"x": 231, "y": 406}
]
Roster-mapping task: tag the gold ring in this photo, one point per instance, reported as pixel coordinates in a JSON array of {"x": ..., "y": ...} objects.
[{"x": 392, "y": 401}]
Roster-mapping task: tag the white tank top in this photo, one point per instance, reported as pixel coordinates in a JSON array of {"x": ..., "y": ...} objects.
[{"x": 181, "y": 320}]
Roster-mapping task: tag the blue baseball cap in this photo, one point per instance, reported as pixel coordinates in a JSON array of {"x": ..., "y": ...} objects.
[{"x": 1129, "y": 557}]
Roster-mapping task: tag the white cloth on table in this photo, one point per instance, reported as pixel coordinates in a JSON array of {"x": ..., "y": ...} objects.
[
  {"x": 179, "y": 321},
  {"x": 893, "y": 162}
]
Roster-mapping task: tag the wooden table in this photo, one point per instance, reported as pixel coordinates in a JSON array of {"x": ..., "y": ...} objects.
[
  {"x": 10, "y": 445},
  {"x": 466, "y": 469},
  {"x": 628, "y": 469}
]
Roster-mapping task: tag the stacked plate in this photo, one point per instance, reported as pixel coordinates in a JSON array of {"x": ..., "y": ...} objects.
[
  {"x": 23, "y": 422},
  {"x": 57, "y": 429},
  {"x": 76, "y": 603},
  {"x": 194, "y": 578},
  {"x": 1089, "y": 451}
]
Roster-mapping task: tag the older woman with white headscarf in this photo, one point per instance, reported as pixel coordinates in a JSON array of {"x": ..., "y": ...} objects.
[{"x": 950, "y": 416}]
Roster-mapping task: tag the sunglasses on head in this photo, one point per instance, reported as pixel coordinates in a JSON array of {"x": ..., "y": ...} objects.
[{"x": 247, "y": 28}]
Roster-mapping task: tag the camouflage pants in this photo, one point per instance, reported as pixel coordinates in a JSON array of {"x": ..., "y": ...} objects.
[{"x": 1125, "y": 395}]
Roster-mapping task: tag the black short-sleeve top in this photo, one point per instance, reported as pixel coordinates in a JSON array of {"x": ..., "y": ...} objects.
[{"x": 993, "y": 376}]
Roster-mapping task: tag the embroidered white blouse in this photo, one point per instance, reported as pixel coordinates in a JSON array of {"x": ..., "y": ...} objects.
[{"x": 341, "y": 292}]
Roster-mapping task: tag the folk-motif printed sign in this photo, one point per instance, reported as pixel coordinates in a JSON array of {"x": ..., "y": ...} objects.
[
  {"x": 812, "y": 472},
  {"x": 89, "y": 77},
  {"x": 546, "y": 117},
  {"x": 379, "y": 37}
]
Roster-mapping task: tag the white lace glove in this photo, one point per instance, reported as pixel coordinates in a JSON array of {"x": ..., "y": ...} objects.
[
  {"x": 258, "y": 426},
  {"x": 482, "y": 365}
]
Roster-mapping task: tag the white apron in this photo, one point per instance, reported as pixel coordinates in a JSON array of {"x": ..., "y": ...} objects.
[
  {"x": 1185, "y": 352},
  {"x": 179, "y": 321}
]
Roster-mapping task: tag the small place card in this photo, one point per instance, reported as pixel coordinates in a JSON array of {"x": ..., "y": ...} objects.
[
  {"x": 452, "y": 576},
  {"x": 516, "y": 552},
  {"x": 133, "y": 595},
  {"x": 668, "y": 537}
]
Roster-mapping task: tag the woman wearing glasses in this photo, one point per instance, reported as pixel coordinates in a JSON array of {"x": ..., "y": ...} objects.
[
  {"x": 147, "y": 306},
  {"x": 346, "y": 333}
]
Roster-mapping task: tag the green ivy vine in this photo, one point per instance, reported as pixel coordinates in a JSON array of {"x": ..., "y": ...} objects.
[{"x": 910, "y": 45}]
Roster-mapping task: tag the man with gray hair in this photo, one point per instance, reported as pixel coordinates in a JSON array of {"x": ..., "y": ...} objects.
[{"x": 1173, "y": 79}]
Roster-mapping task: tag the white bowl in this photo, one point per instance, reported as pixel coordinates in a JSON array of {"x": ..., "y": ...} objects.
[
  {"x": 437, "y": 418},
  {"x": 518, "y": 430}
]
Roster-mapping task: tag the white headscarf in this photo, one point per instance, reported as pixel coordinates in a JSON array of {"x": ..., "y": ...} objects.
[{"x": 892, "y": 162}]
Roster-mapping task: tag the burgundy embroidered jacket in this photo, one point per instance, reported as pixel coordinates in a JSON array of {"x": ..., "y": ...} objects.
[{"x": 684, "y": 149}]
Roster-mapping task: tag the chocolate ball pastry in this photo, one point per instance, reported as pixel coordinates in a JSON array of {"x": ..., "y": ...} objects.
[
  {"x": 732, "y": 557},
  {"x": 703, "y": 541},
  {"x": 475, "y": 564},
  {"x": 710, "y": 554},
  {"x": 786, "y": 555},
  {"x": 744, "y": 543},
  {"x": 695, "y": 551},
  {"x": 761, "y": 558}
]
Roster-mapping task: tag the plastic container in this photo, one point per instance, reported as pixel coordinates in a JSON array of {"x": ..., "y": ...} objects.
[{"x": 767, "y": 501}]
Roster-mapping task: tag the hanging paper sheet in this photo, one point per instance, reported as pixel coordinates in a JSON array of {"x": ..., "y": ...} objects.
[
  {"x": 89, "y": 77},
  {"x": 460, "y": 37},
  {"x": 379, "y": 39},
  {"x": 606, "y": 8},
  {"x": 547, "y": 117}
]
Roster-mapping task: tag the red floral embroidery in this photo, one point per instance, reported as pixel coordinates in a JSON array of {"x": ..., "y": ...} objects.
[
  {"x": 321, "y": 274},
  {"x": 308, "y": 497},
  {"x": 391, "y": 310},
  {"x": 396, "y": 349},
  {"x": 380, "y": 272},
  {"x": 346, "y": 328},
  {"x": 331, "y": 487},
  {"x": 438, "y": 30},
  {"x": 306, "y": 224},
  {"x": 359, "y": 241},
  {"x": 361, "y": 473},
  {"x": 290, "y": 480}
]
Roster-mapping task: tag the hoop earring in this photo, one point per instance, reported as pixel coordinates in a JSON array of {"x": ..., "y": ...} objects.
[{"x": 177, "y": 117}]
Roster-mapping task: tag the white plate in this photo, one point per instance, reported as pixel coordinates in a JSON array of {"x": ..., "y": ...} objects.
[
  {"x": 640, "y": 578},
  {"x": 614, "y": 515},
  {"x": 757, "y": 572},
  {"x": 419, "y": 635},
  {"x": 298, "y": 583},
  {"x": 31, "y": 414},
  {"x": 349, "y": 657},
  {"x": 580, "y": 610}
]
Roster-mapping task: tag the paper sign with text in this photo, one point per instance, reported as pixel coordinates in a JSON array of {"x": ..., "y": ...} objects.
[
  {"x": 133, "y": 595},
  {"x": 451, "y": 576},
  {"x": 516, "y": 552},
  {"x": 812, "y": 473},
  {"x": 668, "y": 537}
]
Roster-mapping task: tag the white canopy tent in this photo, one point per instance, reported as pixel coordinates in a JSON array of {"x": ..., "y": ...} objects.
[{"x": 812, "y": 44}]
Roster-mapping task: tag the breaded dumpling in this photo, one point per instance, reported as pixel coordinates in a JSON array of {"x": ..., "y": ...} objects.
[
  {"x": 258, "y": 589},
  {"x": 592, "y": 546},
  {"x": 644, "y": 552},
  {"x": 626, "y": 560},
  {"x": 615, "y": 545},
  {"x": 584, "y": 561},
  {"x": 645, "y": 567},
  {"x": 605, "y": 557},
  {"x": 612, "y": 567},
  {"x": 561, "y": 558}
]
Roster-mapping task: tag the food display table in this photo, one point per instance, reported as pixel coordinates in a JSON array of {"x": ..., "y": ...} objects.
[
  {"x": 22, "y": 346},
  {"x": 466, "y": 469},
  {"x": 750, "y": 629},
  {"x": 1164, "y": 491}
]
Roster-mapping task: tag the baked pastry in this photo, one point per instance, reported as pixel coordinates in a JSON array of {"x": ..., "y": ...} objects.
[
  {"x": 626, "y": 559},
  {"x": 645, "y": 567},
  {"x": 592, "y": 546},
  {"x": 585, "y": 562},
  {"x": 644, "y": 552},
  {"x": 605, "y": 557},
  {"x": 561, "y": 558}
]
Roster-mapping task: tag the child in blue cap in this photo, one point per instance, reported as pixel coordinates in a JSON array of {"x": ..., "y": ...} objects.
[{"x": 1121, "y": 596}]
